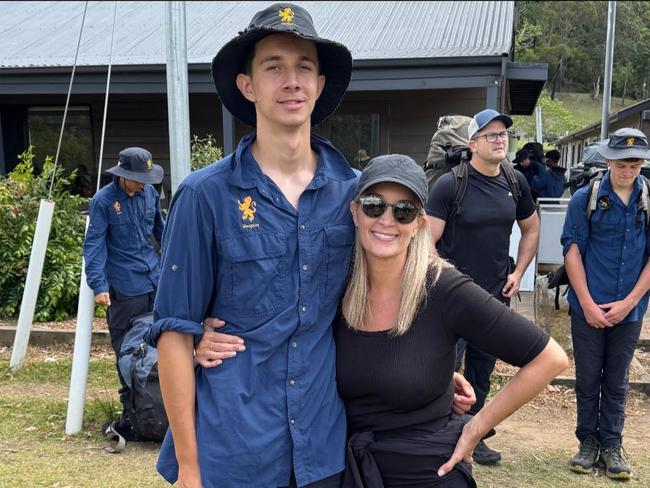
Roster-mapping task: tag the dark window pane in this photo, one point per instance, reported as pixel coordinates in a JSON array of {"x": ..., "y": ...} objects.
[{"x": 356, "y": 136}]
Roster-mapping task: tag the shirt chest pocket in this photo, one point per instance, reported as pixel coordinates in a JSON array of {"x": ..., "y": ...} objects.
[
  {"x": 339, "y": 242},
  {"x": 122, "y": 230},
  {"x": 253, "y": 275}
]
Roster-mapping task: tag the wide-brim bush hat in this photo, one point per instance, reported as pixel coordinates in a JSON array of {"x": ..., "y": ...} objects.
[
  {"x": 625, "y": 143},
  {"x": 136, "y": 163},
  {"x": 335, "y": 61}
]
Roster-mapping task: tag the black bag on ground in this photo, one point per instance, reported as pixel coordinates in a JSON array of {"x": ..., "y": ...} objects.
[{"x": 138, "y": 365}]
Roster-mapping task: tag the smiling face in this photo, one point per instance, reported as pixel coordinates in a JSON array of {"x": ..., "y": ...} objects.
[
  {"x": 283, "y": 82},
  {"x": 383, "y": 236},
  {"x": 624, "y": 173},
  {"x": 490, "y": 152}
]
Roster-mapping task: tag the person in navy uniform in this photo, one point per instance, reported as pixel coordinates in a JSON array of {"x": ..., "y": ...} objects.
[
  {"x": 606, "y": 258},
  {"x": 551, "y": 182},
  {"x": 122, "y": 266}
]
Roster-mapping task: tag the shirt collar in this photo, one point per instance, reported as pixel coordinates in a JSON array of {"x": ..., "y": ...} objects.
[
  {"x": 246, "y": 173},
  {"x": 121, "y": 195}
]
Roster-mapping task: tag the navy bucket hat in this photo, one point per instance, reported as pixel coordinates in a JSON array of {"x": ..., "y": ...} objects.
[
  {"x": 136, "y": 164},
  {"x": 335, "y": 60}
]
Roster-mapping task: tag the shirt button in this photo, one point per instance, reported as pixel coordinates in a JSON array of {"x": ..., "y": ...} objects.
[
  {"x": 302, "y": 227},
  {"x": 305, "y": 267},
  {"x": 292, "y": 421},
  {"x": 294, "y": 344},
  {"x": 174, "y": 267},
  {"x": 303, "y": 308},
  {"x": 292, "y": 382}
]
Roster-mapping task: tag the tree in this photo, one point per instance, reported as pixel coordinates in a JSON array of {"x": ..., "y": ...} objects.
[{"x": 557, "y": 121}]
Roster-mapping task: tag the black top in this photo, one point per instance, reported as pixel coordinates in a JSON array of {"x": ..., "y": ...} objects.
[
  {"x": 405, "y": 382},
  {"x": 479, "y": 240}
]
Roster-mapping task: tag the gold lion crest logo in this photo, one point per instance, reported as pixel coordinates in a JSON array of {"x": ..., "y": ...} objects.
[
  {"x": 286, "y": 15},
  {"x": 149, "y": 164},
  {"x": 117, "y": 207},
  {"x": 247, "y": 208},
  {"x": 630, "y": 141}
]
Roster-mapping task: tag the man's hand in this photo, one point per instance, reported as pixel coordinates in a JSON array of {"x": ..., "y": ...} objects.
[
  {"x": 464, "y": 396},
  {"x": 214, "y": 346},
  {"x": 595, "y": 316},
  {"x": 512, "y": 285},
  {"x": 617, "y": 311},
  {"x": 103, "y": 299}
]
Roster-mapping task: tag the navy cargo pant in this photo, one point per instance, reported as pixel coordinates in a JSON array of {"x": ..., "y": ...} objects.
[
  {"x": 478, "y": 366},
  {"x": 602, "y": 360},
  {"x": 124, "y": 308}
]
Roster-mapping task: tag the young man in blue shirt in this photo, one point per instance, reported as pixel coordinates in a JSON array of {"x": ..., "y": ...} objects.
[
  {"x": 122, "y": 266},
  {"x": 606, "y": 247}
]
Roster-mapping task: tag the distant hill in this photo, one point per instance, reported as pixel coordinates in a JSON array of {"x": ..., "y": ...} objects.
[{"x": 585, "y": 110}]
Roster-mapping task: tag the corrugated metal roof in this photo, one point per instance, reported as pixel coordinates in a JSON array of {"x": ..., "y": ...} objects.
[{"x": 39, "y": 34}]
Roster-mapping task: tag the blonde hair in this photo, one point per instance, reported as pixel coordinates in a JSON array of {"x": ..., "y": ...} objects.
[{"x": 419, "y": 260}]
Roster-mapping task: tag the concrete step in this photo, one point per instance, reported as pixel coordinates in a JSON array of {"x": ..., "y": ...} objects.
[{"x": 50, "y": 337}]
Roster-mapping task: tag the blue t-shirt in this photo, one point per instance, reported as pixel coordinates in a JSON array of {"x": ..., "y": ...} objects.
[
  {"x": 235, "y": 248},
  {"x": 614, "y": 248}
]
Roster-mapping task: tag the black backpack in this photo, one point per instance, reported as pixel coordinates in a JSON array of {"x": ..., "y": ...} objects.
[{"x": 138, "y": 364}]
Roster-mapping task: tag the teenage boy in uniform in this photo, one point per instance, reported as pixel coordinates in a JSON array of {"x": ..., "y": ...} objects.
[
  {"x": 606, "y": 248},
  {"x": 122, "y": 266},
  {"x": 477, "y": 239}
]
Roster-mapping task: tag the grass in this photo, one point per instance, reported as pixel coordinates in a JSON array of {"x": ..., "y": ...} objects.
[{"x": 585, "y": 110}]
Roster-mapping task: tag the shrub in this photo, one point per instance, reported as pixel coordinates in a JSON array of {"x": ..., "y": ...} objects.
[
  {"x": 20, "y": 195},
  {"x": 204, "y": 152}
]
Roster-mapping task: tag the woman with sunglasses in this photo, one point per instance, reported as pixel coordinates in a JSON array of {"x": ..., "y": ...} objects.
[{"x": 403, "y": 311}]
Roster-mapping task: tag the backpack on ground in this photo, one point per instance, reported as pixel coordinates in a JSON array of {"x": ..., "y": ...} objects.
[
  {"x": 559, "y": 277},
  {"x": 138, "y": 364}
]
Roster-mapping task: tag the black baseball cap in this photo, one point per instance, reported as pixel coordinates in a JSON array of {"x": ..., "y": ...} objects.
[{"x": 395, "y": 168}]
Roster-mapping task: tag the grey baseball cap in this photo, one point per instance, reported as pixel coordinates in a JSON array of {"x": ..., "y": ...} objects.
[{"x": 395, "y": 168}]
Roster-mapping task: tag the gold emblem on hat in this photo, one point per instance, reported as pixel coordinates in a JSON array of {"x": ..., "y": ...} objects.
[
  {"x": 286, "y": 15},
  {"x": 117, "y": 207},
  {"x": 248, "y": 208},
  {"x": 149, "y": 164},
  {"x": 630, "y": 141}
]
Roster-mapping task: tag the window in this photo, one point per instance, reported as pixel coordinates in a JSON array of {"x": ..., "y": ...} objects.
[
  {"x": 77, "y": 149},
  {"x": 356, "y": 135}
]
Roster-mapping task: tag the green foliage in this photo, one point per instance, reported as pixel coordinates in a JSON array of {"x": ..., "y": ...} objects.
[
  {"x": 571, "y": 38},
  {"x": 204, "y": 152},
  {"x": 20, "y": 195},
  {"x": 557, "y": 120}
]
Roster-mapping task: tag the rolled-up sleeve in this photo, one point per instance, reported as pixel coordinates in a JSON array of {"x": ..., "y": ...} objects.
[
  {"x": 95, "y": 248},
  {"x": 187, "y": 281},
  {"x": 576, "y": 224}
]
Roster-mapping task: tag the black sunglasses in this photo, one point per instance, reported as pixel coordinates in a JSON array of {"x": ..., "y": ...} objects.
[{"x": 374, "y": 206}]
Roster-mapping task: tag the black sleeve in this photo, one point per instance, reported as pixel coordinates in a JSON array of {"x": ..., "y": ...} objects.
[
  {"x": 440, "y": 197},
  {"x": 525, "y": 205},
  {"x": 470, "y": 312}
]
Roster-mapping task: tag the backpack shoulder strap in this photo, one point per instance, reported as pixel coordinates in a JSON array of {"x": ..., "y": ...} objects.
[
  {"x": 460, "y": 173},
  {"x": 513, "y": 181},
  {"x": 592, "y": 202}
]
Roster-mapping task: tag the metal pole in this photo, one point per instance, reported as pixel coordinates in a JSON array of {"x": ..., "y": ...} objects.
[
  {"x": 32, "y": 284},
  {"x": 178, "y": 106},
  {"x": 538, "y": 124},
  {"x": 609, "y": 61},
  {"x": 81, "y": 358}
]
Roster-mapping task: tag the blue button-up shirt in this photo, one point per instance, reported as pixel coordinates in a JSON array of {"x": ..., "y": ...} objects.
[
  {"x": 118, "y": 250},
  {"x": 236, "y": 249},
  {"x": 614, "y": 250}
]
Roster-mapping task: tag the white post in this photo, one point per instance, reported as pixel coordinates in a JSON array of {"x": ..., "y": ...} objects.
[
  {"x": 32, "y": 284},
  {"x": 538, "y": 124},
  {"x": 178, "y": 105},
  {"x": 81, "y": 356},
  {"x": 609, "y": 61}
]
